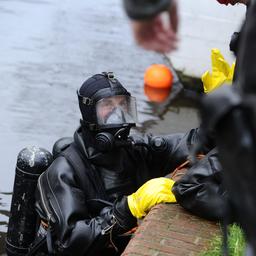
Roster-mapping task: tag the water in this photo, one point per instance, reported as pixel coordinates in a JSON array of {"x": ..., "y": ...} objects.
[
  {"x": 205, "y": 25},
  {"x": 47, "y": 50}
]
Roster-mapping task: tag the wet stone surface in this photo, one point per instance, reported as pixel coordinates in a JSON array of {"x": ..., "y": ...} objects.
[{"x": 47, "y": 50}]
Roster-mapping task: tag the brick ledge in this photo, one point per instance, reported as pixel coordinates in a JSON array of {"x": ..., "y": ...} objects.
[{"x": 169, "y": 230}]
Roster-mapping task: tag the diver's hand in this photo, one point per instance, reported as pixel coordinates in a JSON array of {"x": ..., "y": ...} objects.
[
  {"x": 153, "y": 192},
  {"x": 154, "y": 35}
]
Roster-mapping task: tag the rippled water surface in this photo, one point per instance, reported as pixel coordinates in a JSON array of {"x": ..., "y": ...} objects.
[{"x": 47, "y": 49}]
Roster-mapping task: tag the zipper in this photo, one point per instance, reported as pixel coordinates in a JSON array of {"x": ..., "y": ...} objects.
[
  {"x": 109, "y": 228},
  {"x": 49, "y": 215}
]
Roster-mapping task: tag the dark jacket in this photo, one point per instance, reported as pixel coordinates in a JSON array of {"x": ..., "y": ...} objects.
[
  {"x": 85, "y": 202},
  {"x": 201, "y": 190}
]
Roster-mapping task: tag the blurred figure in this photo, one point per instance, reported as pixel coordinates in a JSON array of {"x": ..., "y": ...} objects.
[
  {"x": 150, "y": 30},
  {"x": 201, "y": 191}
]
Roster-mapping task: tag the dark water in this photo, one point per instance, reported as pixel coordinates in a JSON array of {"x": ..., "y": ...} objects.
[{"x": 47, "y": 49}]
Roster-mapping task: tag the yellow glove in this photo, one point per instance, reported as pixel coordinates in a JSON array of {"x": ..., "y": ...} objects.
[
  {"x": 153, "y": 192},
  {"x": 221, "y": 72}
]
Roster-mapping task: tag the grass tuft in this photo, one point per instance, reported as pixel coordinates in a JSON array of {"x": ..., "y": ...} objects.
[{"x": 236, "y": 243}]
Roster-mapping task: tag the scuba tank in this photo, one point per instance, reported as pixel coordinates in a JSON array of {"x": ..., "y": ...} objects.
[{"x": 31, "y": 162}]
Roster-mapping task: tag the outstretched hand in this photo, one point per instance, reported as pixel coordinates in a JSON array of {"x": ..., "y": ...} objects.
[{"x": 155, "y": 35}]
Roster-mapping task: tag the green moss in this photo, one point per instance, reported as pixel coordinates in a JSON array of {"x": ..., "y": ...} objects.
[{"x": 236, "y": 243}]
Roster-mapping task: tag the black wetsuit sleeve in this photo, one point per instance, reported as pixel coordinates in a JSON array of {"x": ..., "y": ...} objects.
[
  {"x": 78, "y": 229},
  {"x": 178, "y": 149},
  {"x": 201, "y": 191},
  {"x": 145, "y": 9}
]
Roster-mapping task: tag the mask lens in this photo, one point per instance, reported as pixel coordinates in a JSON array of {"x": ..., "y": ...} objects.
[{"x": 119, "y": 109}]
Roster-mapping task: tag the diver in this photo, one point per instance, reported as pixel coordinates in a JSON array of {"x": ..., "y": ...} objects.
[{"x": 105, "y": 179}]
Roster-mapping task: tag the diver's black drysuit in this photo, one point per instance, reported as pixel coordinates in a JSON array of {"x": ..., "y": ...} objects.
[
  {"x": 85, "y": 202},
  {"x": 201, "y": 189}
]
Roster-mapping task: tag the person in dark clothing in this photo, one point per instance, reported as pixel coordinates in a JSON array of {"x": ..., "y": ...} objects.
[
  {"x": 201, "y": 190},
  {"x": 101, "y": 182}
]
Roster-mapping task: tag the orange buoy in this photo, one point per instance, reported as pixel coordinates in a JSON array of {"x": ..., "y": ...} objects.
[
  {"x": 156, "y": 94},
  {"x": 158, "y": 76}
]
